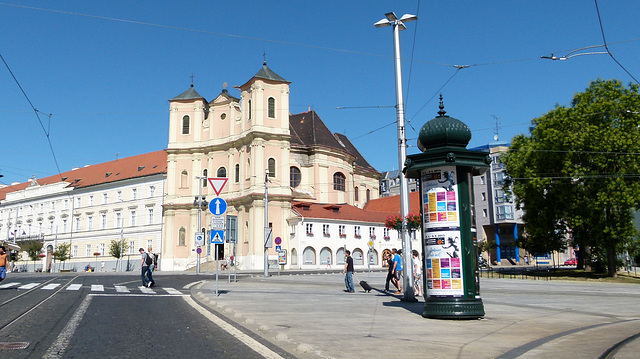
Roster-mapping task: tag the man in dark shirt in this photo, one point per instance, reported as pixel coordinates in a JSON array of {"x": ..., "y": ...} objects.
[{"x": 348, "y": 270}]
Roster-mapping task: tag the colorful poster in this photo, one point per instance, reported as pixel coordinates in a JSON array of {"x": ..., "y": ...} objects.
[{"x": 442, "y": 232}]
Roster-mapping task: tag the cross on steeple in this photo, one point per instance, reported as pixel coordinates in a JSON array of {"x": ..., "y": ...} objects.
[{"x": 192, "y": 79}]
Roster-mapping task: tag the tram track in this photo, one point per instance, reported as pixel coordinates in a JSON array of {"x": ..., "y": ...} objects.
[{"x": 22, "y": 313}]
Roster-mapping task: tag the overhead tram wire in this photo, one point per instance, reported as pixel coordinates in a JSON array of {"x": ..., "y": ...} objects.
[
  {"x": 37, "y": 113},
  {"x": 604, "y": 40}
]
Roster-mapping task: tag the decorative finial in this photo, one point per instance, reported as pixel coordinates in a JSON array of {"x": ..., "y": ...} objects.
[
  {"x": 192, "y": 79},
  {"x": 441, "y": 106},
  {"x": 264, "y": 57}
]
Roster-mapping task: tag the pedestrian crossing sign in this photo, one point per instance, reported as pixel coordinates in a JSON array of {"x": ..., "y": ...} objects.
[{"x": 217, "y": 236}]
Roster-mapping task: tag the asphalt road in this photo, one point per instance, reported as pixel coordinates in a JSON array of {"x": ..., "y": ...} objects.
[{"x": 92, "y": 315}]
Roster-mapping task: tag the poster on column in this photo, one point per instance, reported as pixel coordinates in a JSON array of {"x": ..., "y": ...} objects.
[{"x": 441, "y": 221}]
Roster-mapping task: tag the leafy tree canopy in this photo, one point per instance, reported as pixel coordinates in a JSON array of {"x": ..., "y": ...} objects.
[{"x": 578, "y": 171}]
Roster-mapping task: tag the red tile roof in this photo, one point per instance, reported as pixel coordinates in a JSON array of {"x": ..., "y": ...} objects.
[
  {"x": 123, "y": 168},
  {"x": 392, "y": 204},
  {"x": 339, "y": 212}
]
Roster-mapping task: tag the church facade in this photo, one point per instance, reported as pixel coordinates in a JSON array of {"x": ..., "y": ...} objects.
[{"x": 258, "y": 145}]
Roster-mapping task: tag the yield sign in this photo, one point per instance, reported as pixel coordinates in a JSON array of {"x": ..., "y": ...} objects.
[{"x": 217, "y": 184}]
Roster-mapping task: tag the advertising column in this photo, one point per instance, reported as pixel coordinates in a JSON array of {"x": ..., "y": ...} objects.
[{"x": 441, "y": 219}]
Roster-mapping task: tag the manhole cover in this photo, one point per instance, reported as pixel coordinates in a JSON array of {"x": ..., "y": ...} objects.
[{"x": 14, "y": 345}]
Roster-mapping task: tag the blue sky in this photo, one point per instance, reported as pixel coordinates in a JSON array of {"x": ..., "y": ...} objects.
[{"x": 105, "y": 70}]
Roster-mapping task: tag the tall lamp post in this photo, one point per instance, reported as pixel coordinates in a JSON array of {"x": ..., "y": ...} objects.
[
  {"x": 398, "y": 25},
  {"x": 199, "y": 202}
]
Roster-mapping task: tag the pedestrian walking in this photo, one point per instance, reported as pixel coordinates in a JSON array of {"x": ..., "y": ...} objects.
[
  {"x": 389, "y": 260},
  {"x": 145, "y": 262},
  {"x": 417, "y": 273},
  {"x": 328, "y": 262},
  {"x": 348, "y": 271},
  {"x": 397, "y": 270},
  {"x": 3, "y": 263}
]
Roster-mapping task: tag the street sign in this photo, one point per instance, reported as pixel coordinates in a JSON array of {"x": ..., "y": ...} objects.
[
  {"x": 217, "y": 237},
  {"x": 199, "y": 250},
  {"x": 218, "y": 222},
  {"x": 278, "y": 241},
  {"x": 268, "y": 235},
  {"x": 199, "y": 239},
  {"x": 217, "y": 206},
  {"x": 217, "y": 184},
  {"x": 278, "y": 248}
]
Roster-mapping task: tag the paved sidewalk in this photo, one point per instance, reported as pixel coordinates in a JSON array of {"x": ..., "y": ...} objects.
[{"x": 310, "y": 316}]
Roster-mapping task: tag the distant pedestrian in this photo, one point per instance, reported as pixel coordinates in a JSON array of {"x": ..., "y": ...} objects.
[
  {"x": 3, "y": 263},
  {"x": 389, "y": 260},
  {"x": 146, "y": 275},
  {"x": 417, "y": 273},
  {"x": 102, "y": 266},
  {"x": 397, "y": 270},
  {"x": 328, "y": 262},
  {"x": 348, "y": 271}
]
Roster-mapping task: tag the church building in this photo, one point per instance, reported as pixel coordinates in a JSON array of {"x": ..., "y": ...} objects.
[{"x": 258, "y": 145}]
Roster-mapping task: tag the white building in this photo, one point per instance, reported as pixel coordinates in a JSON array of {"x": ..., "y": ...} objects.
[{"x": 88, "y": 208}]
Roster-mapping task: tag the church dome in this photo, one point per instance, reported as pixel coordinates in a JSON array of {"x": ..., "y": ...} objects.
[{"x": 443, "y": 131}]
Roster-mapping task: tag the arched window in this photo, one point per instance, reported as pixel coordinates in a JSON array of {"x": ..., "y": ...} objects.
[
  {"x": 368, "y": 195},
  {"x": 249, "y": 118},
  {"x": 237, "y": 174},
  {"x": 338, "y": 182},
  {"x": 272, "y": 107},
  {"x": 309, "y": 256},
  {"x": 294, "y": 256},
  {"x": 356, "y": 193},
  {"x": 222, "y": 172},
  {"x": 373, "y": 257},
  {"x": 272, "y": 167},
  {"x": 294, "y": 176},
  {"x": 185, "y": 125},
  {"x": 182, "y": 237},
  {"x": 358, "y": 258},
  {"x": 325, "y": 256},
  {"x": 204, "y": 180},
  {"x": 184, "y": 179},
  {"x": 340, "y": 256}
]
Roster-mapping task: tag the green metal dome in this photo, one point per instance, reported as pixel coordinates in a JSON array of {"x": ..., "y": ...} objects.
[{"x": 443, "y": 131}]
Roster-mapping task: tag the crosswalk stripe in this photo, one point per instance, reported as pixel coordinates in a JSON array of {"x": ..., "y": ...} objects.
[
  {"x": 122, "y": 289},
  {"x": 51, "y": 286},
  {"x": 29, "y": 286},
  {"x": 74, "y": 287},
  {"x": 172, "y": 291},
  {"x": 8, "y": 285},
  {"x": 97, "y": 288},
  {"x": 146, "y": 290}
]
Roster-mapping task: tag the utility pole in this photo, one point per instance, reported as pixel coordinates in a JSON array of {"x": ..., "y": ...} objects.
[
  {"x": 199, "y": 204},
  {"x": 266, "y": 223},
  {"x": 398, "y": 24}
]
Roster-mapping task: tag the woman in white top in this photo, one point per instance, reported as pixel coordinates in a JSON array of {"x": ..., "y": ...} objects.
[{"x": 417, "y": 273}]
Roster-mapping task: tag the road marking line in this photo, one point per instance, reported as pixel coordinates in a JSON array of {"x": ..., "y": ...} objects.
[
  {"x": 192, "y": 284},
  {"x": 51, "y": 286},
  {"x": 155, "y": 295},
  {"x": 172, "y": 291},
  {"x": 97, "y": 288},
  {"x": 122, "y": 289},
  {"x": 8, "y": 285},
  {"x": 29, "y": 286},
  {"x": 75, "y": 286},
  {"x": 57, "y": 349},
  {"x": 250, "y": 342},
  {"x": 146, "y": 290}
]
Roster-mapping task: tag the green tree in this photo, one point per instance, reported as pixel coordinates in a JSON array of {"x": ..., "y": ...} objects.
[
  {"x": 117, "y": 248},
  {"x": 577, "y": 171},
  {"x": 62, "y": 253},
  {"x": 34, "y": 251}
]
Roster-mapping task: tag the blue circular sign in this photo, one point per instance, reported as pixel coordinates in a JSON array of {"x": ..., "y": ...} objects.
[
  {"x": 278, "y": 241},
  {"x": 218, "y": 206}
]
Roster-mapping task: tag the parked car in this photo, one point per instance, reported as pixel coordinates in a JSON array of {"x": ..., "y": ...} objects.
[{"x": 571, "y": 262}]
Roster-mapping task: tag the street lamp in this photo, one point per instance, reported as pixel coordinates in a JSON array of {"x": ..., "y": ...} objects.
[
  {"x": 574, "y": 53},
  {"x": 398, "y": 25}
]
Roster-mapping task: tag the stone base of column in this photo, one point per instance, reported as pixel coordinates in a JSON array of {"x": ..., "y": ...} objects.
[{"x": 451, "y": 308}]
